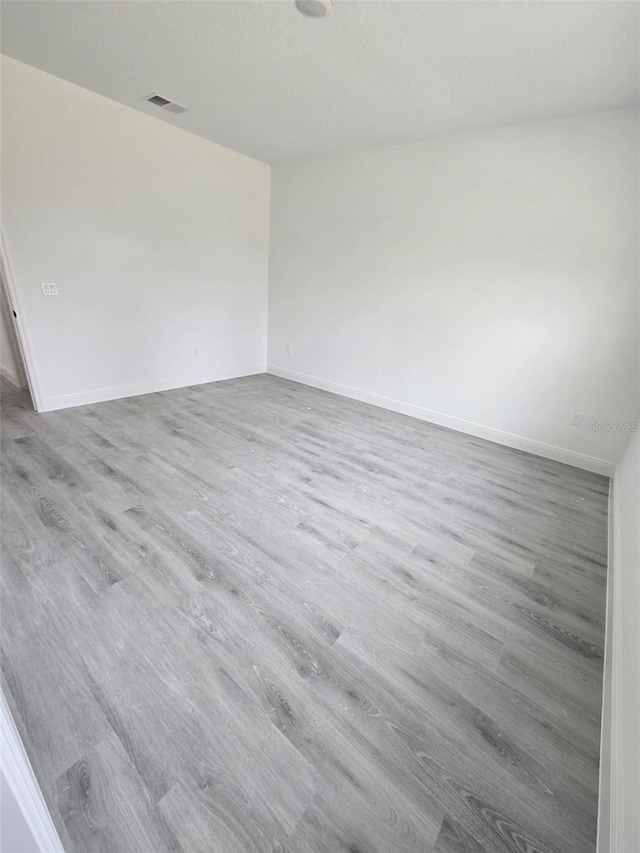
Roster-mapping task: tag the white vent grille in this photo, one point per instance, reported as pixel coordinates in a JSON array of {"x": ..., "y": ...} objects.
[{"x": 165, "y": 103}]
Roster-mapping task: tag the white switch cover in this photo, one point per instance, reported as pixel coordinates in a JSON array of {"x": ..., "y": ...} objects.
[{"x": 49, "y": 288}]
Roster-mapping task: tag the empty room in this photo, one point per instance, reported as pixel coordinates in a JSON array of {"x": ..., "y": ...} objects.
[{"x": 319, "y": 412}]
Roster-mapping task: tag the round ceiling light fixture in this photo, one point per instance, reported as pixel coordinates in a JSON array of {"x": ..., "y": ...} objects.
[{"x": 314, "y": 8}]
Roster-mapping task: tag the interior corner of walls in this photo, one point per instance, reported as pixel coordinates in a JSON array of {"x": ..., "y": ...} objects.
[{"x": 517, "y": 442}]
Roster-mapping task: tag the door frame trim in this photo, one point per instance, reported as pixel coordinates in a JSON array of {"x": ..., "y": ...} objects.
[{"x": 22, "y": 334}]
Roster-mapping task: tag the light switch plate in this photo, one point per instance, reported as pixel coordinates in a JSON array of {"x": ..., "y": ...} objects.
[{"x": 49, "y": 288}]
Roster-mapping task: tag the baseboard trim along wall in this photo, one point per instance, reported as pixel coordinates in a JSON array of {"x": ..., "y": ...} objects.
[
  {"x": 518, "y": 442},
  {"x": 612, "y": 785},
  {"x": 606, "y": 842},
  {"x": 9, "y": 374},
  {"x": 102, "y": 395},
  {"x": 23, "y": 784}
]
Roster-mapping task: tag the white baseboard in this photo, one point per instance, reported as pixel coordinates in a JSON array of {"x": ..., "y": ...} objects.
[
  {"x": 86, "y": 398},
  {"x": 606, "y": 841},
  {"x": 519, "y": 442},
  {"x": 611, "y": 789},
  {"x": 9, "y": 374},
  {"x": 21, "y": 779}
]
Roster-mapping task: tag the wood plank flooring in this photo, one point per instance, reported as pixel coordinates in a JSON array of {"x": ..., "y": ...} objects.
[{"x": 254, "y": 617}]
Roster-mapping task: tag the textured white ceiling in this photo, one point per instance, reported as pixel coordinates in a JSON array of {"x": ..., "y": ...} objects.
[{"x": 261, "y": 78}]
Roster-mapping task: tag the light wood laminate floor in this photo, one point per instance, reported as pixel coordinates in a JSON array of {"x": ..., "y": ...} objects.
[{"x": 253, "y": 616}]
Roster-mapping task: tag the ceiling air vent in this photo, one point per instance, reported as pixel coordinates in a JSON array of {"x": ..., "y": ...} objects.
[{"x": 165, "y": 103}]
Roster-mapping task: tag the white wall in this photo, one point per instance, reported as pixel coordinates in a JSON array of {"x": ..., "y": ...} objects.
[
  {"x": 157, "y": 240},
  {"x": 489, "y": 277},
  {"x": 625, "y": 641}
]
